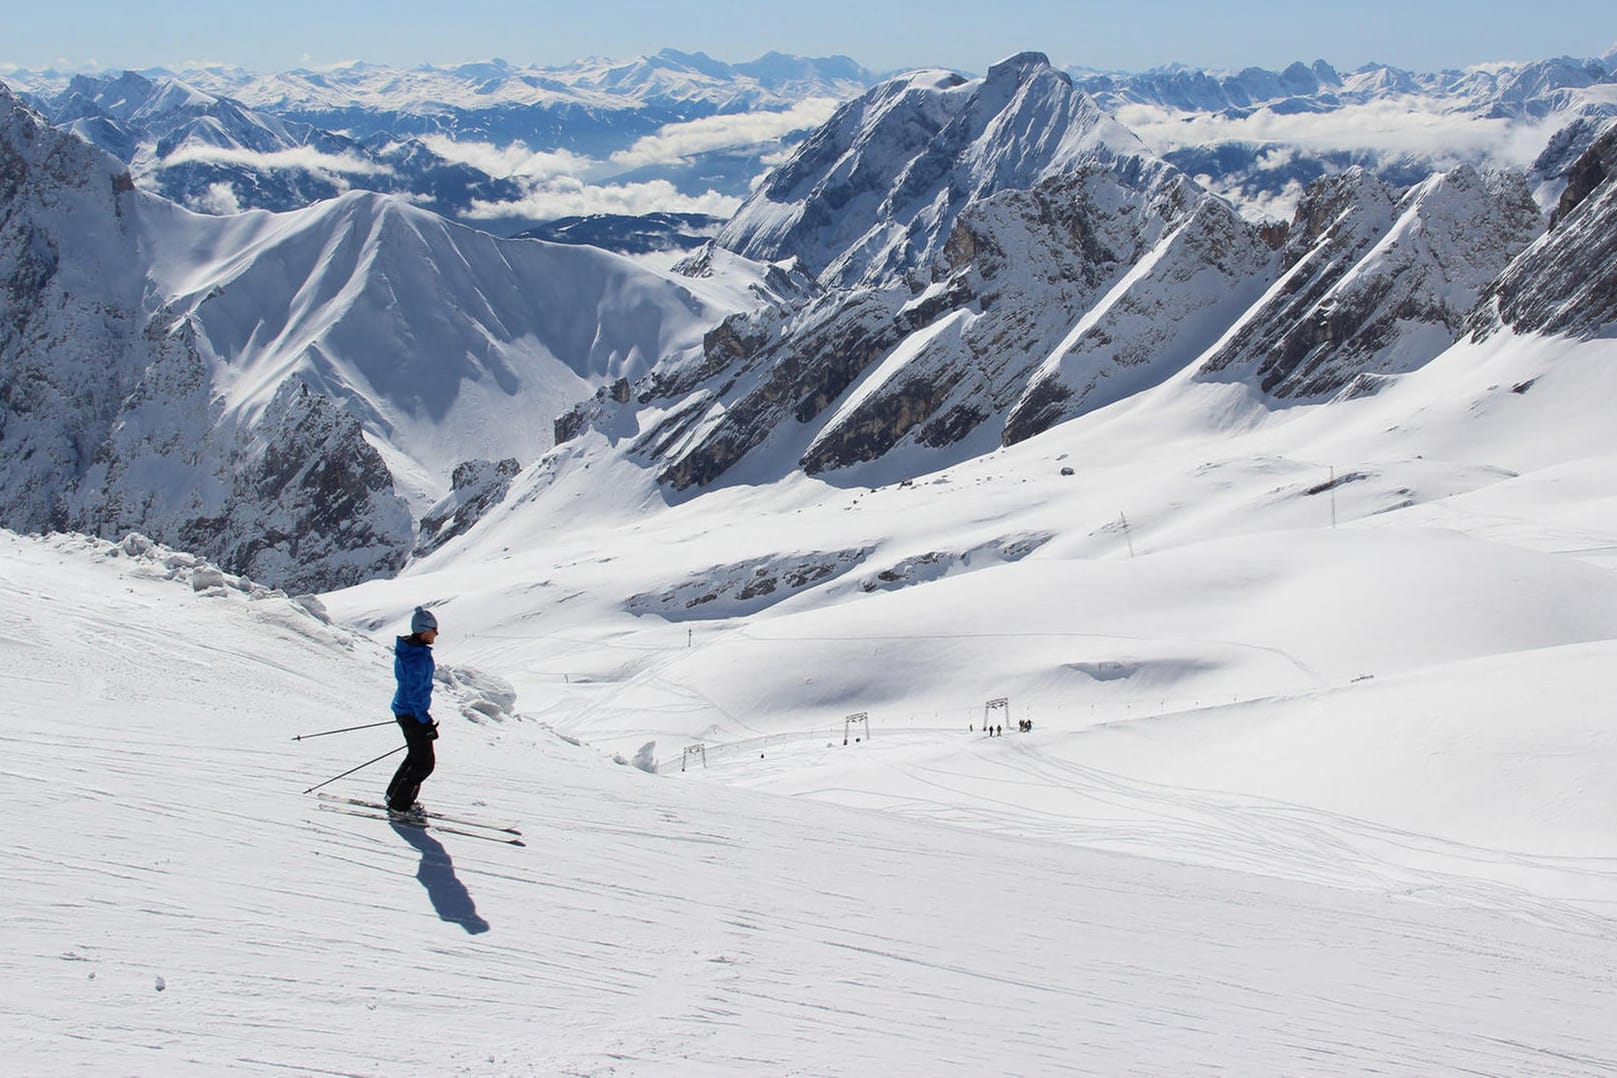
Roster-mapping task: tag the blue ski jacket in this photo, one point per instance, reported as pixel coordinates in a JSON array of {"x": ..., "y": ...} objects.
[{"x": 413, "y": 668}]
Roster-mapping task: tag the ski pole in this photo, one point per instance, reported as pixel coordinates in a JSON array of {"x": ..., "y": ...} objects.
[
  {"x": 344, "y": 730},
  {"x": 351, "y": 770}
]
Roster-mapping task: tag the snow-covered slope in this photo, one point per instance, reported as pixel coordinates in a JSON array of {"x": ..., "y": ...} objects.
[
  {"x": 1333, "y": 662},
  {"x": 175, "y": 906},
  {"x": 446, "y": 342}
]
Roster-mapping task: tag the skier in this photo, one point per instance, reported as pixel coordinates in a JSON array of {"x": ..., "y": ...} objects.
[{"x": 412, "y": 709}]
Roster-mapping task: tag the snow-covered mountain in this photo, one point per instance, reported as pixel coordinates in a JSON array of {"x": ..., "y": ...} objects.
[
  {"x": 876, "y": 191},
  {"x": 278, "y": 391},
  {"x": 992, "y": 257},
  {"x": 941, "y": 218},
  {"x": 507, "y": 146},
  {"x": 582, "y": 102}
]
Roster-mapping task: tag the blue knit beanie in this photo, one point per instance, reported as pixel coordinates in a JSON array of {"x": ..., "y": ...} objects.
[{"x": 422, "y": 621}]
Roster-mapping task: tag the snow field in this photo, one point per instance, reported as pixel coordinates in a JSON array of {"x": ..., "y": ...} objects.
[{"x": 176, "y": 907}]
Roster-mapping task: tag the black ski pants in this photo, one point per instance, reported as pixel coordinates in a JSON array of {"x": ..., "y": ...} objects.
[{"x": 418, "y": 762}]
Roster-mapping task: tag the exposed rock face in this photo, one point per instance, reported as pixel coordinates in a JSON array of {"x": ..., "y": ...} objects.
[
  {"x": 724, "y": 591},
  {"x": 71, "y": 344},
  {"x": 1566, "y": 282},
  {"x": 478, "y": 486},
  {"x": 1022, "y": 268},
  {"x": 1552, "y": 169},
  {"x": 311, "y": 506},
  {"x": 1375, "y": 284},
  {"x": 1151, "y": 324},
  {"x": 788, "y": 376}
]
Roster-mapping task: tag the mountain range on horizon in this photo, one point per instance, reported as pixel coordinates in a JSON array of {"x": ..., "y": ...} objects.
[{"x": 505, "y": 147}]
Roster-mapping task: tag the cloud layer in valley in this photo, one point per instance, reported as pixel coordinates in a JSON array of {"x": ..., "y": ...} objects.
[
  {"x": 569, "y": 196},
  {"x": 1396, "y": 126}
]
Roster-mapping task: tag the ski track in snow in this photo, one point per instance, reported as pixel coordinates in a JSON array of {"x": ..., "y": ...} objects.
[
  {"x": 1104, "y": 810},
  {"x": 652, "y": 926}
]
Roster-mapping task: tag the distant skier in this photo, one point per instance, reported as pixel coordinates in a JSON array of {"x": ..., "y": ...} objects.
[{"x": 412, "y": 708}]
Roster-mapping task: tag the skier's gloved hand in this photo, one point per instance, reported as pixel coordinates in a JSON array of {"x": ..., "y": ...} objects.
[{"x": 432, "y": 729}]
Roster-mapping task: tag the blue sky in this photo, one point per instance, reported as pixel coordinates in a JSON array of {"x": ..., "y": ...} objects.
[{"x": 964, "y": 34}]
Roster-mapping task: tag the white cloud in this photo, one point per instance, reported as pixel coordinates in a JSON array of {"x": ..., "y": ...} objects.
[
  {"x": 220, "y": 199},
  {"x": 1261, "y": 207},
  {"x": 301, "y": 157},
  {"x": 567, "y": 196},
  {"x": 675, "y": 142},
  {"x": 63, "y": 64},
  {"x": 1397, "y": 126},
  {"x": 1276, "y": 157},
  {"x": 513, "y": 160}
]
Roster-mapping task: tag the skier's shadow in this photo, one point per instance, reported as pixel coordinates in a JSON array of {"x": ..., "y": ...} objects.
[{"x": 449, "y": 896}]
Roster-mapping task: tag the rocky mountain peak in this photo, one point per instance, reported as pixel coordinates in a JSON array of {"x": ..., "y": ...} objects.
[
  {"x": 874, "y": 194},
  {"x": 1019, "y": 68},
  {"x": 1350, "y": 202}
]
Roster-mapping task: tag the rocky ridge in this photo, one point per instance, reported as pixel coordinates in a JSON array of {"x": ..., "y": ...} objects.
[
  {"x": 1566, "y": 282},
  {"x": 1375, "y": 283}
]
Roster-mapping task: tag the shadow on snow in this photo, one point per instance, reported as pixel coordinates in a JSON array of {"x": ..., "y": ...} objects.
[{"x": 450, "y": 899}]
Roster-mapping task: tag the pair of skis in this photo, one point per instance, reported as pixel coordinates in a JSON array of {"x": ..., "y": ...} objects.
[{"x": 429, "y": 821}]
